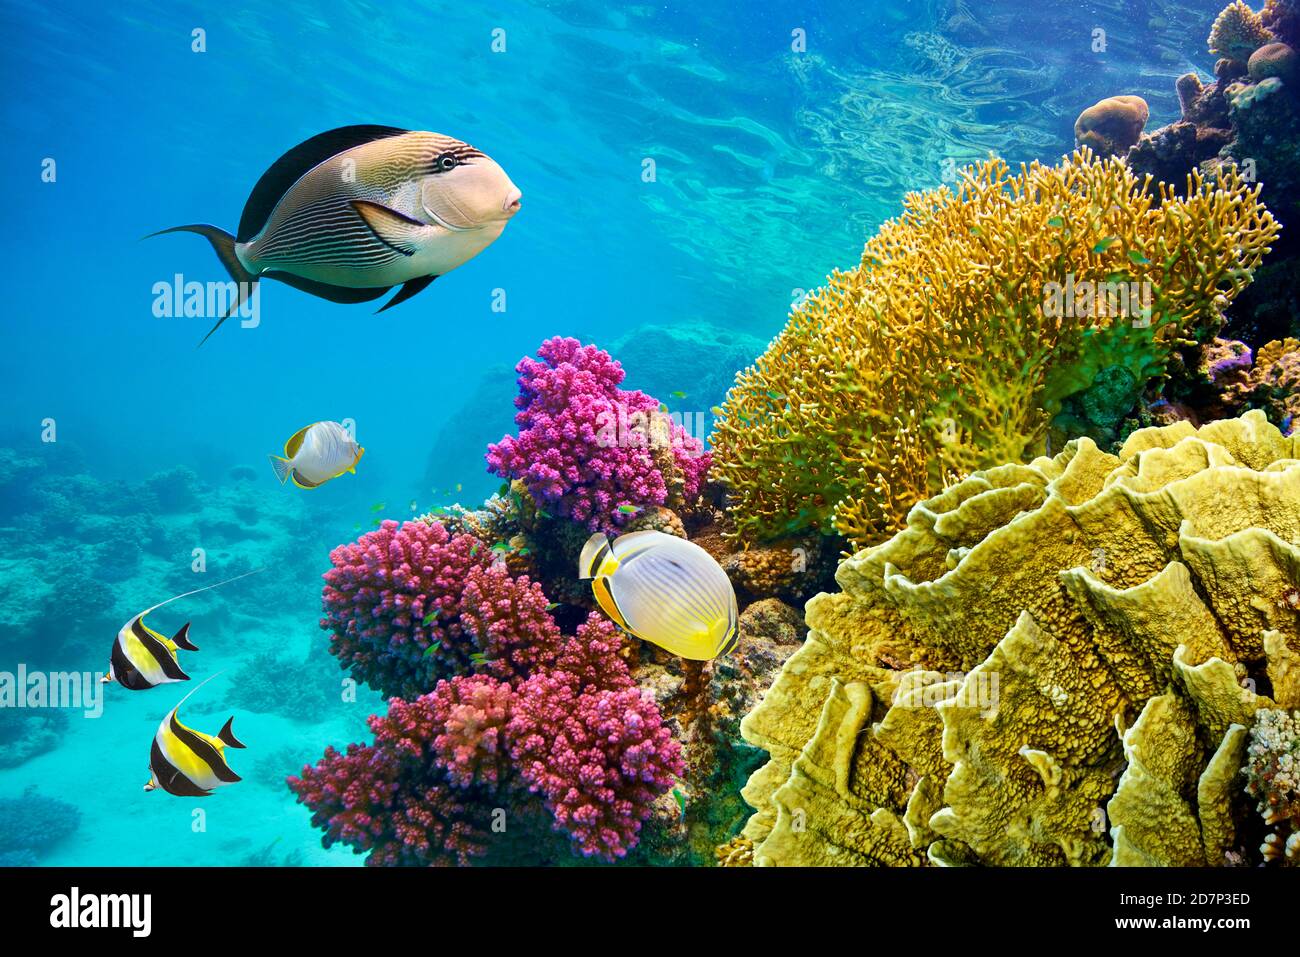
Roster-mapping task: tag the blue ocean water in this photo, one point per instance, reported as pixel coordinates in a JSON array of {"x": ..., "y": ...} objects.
[{"x": 781, "y": 136}]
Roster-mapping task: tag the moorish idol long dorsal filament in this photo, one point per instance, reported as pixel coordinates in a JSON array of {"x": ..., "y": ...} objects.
[{"x": 142, "y": 658}]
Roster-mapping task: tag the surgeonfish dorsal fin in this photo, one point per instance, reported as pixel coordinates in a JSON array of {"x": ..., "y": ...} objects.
[
  {"x": 295, "y": 441},
  {"x": 595, "y": 550},
  {"x": 297, "y": 162},
  {"x": 227, "y": 736}
]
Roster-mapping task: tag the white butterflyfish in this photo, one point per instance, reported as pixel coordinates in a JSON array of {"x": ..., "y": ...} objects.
[
  {"x": 664, "y": 590},
  {"x": 317, "y": 453}
]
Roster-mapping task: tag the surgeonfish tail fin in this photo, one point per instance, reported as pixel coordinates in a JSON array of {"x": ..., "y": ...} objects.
[
  {"x": 282, "y": 468},
  {"x": 224, "y": 245},
  {"x": 182, "y": 639},
  {"x": 227, "y": 736},
  {"x": 594, "y": 555}
]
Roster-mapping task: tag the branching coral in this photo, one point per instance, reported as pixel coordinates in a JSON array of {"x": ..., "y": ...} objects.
[
  {"x": 968, "y": 322},
  {"x": 1238, "y": 32},
  {"x": 393, "y": 800},
  {"x": 499, "y": 703},
  {"x": 1047, "y": 665},
  {"x": 588, "y": 450}
]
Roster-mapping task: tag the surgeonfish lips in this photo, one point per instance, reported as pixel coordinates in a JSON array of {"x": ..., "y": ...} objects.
[{"x": 475, "y": 192}]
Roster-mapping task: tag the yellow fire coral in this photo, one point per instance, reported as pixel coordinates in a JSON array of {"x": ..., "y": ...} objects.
[
  {"x": 1053, "y": 663},
  {"x": 967, "y": 322},
  {"x": 1238, "y": 32}
]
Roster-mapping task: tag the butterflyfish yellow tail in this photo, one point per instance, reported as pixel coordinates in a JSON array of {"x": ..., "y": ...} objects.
[
  {"x": 597, "y": 558},
  {"x": 282, "y": 467}
]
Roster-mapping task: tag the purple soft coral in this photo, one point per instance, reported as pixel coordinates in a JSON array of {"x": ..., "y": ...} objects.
[{"x": 588, "y": 449}]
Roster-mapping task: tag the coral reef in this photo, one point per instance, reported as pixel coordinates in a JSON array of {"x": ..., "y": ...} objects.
[
  {"x": 1273, "y": 778},
  {"x": 1238, "y": 32},
  {"x": 1112, "y": 126},
  {"x": 31, "y": 824},
  {"x": 1053, "y": 663},
  {"x": 492, "y": 704},
  {"x": 28, "y": 733},
  {"x": 588, "y": 450},
  {"x": 969, "y": 322}
]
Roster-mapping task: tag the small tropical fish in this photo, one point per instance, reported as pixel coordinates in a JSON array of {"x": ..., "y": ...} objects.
[
  {"x": 316, "y": 454},
  {"x": 1105, "y": 244},
  {"x": 664, "y": 590},
  {"x": 189, "y": 763},
  {"x": 1056, "y": 222},
  {"x": 679, "y": 394},
  {"x": 628, "y": 509},
  {"x": 378, "y": 506},
  {"x": 141, "y": 658},
  {"x": 552, "y": 606},
  {"x": 352, "y": 212},
  {"x": 1138, "y": 258}
]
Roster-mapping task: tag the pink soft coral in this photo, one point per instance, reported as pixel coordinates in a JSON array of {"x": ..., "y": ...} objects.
[
  {"x": 593, "y": 745},
  {"x": 586, "y": 447},
  {"x": 392, "y": 798}
]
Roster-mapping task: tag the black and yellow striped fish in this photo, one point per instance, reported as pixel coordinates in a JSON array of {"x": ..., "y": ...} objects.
[
  {"x": 142, "y": 658},
  {"x": 353, "y": 212},
  {"x": 189, "y": 763},
  {"x": 664, "y": 590}
]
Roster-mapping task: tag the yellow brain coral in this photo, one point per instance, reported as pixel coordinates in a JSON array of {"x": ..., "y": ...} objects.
[
  {"x": 968, "y": 320},
  {"x": 1053, "y": 663}
]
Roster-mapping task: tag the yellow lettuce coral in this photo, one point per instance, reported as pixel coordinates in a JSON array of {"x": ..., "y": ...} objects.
[
  {"x": 967, "y": 322},
  {"x": 1047, "y": 665}
]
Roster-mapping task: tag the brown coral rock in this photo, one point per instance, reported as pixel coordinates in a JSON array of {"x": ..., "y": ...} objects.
[{"x": 1112, "y": 126}]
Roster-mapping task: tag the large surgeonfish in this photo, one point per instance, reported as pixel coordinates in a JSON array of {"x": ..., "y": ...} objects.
[
  {"x": 189, "y": 763},
  {"x": 316, "y": 454},
  {"x": 353, "y": 212},
  {"x": 664, "y": 590},
  {"x": 142, "y": 658}
]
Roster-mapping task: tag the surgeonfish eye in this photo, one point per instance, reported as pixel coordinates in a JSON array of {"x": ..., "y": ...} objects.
[{"x": 445, "y": 162}]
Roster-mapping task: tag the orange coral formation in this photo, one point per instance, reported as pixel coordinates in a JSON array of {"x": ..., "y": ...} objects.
[{"x": 953, "y": 342}]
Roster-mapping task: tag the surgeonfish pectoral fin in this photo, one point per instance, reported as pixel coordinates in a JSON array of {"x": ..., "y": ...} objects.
[
  {"x": 282, "y": 468},
  {"x": 395, "y": 230},
  {"x": 227, "y": 735},
  {"x": 409, "y": 289},
  {"x": 182, "y": 638},
  {"x": 593, "y": 552}
]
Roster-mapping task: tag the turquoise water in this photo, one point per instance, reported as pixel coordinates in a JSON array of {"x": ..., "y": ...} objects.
[{"x": 772, "y": 165}]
